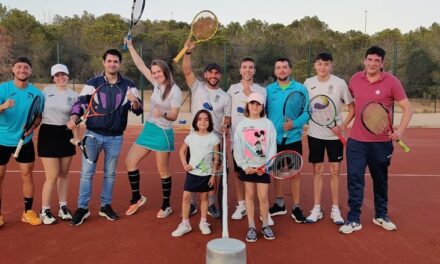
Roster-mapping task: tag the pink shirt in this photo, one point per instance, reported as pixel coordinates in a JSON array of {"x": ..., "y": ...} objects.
[{"x": 385, "y": 90}]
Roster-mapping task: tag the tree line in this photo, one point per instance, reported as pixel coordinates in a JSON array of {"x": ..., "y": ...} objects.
[{"x": 79, "y": 42}]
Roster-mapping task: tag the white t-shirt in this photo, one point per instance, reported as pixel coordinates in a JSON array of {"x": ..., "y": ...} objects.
[
  {"x": 173, "y": 100},
  {"x": 216, "y": 101},
  {"x": 57, "y": 105},
  {"x": 254, "y": 142},
  {"x": 337, "y": 90},
  {"x": 200, "y": 146},
  {"x": 238, "y": 102}
]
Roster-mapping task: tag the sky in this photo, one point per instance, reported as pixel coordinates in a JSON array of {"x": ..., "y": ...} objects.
[{"x": 339, "y": 15}]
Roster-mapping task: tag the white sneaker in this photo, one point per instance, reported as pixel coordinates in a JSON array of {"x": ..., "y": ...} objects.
[
  {"x": 181, "y": 230},
  {"x": 240, "y": 211},
  {"x": 204, "y": 228},
  {"x": 270, "y": 221},
  {"x": 385, "y": 223},
  {"x": 350, "y": 227},
  {"x": 336, "y": 216},
  {"x": 315, "y": 215},
  {"x": 164, "y": 213},
  {"x": 47, "y": 217}
]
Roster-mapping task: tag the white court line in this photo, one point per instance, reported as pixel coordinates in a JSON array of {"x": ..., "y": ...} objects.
[{"x": 303, "y": 173}]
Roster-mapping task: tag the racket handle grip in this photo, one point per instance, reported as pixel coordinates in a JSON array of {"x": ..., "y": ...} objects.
[
  {"x": 17, "y": 150},
  {"x": 125, "y": 48},
  {"x": 342, "y": 139},
  {"x": 180, "y": 55},
  {"x": 79, "y": 120},
  {"x": 403, "y": 145}
]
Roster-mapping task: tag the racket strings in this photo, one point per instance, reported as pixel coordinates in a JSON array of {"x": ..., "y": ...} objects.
[
  {"x": 107, "y": 99},
  {"x": 138, "y": 8},
  {"x": 286, "y": 165},
  {"x": 294, "y": 105},
  {"x": 90, "y": 148},
  {"x": 204, "y": 26},
  {"x": 323, "y": 111},
  {"x": 375, "y": 118},
  {"x": 34, "y": 111}
]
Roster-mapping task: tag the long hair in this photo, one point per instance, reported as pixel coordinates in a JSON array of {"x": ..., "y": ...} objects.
[
  {"x": 196, "y": 118},
  {"x": 169, "y": 81}
]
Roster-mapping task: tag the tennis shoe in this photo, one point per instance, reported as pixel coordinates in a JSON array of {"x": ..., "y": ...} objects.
[
  {"x": 213, "y": 211},
  {"x": 134, "y": 207},
  {"x": 181, "y": 230},
  {"x": 192, "y": 210},
  {"x": 350, "y": 227},
  {"x": 270, "y": 221},
  {"x": 47, "y": 217},
  {"x": 204, "y": 228},
  {"x": 385, "y": 223},
  {"x": 267, "y": 233},
  {"x": 107, "y": 212},
  {"x": 64, "y": 213},
  {"x": 315, "y": 215},
  {"x": 336, "y": 216},
  {"x": 298, "y": 215},
  {"x": 251, "y": 235},
  {"x": 277, "y": 210},
  {"x": 164, "y": 213},
  {"x": 31, "y": 217},
  {"x": 239, "y": 213},
  {"x": 79, "y": 216}
]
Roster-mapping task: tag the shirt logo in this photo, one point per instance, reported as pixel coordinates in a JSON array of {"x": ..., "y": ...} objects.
[{"x": 377, "y": 92}]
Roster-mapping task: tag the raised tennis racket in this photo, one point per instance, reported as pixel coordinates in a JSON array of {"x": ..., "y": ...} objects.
[
  {"x": 283, "y": 165},
  {"x": 211, "y": 163},
  {"x": 322, "y": 111},
  {"x": 377, "y": 120},
  {"x": 136, "y": 12},
  {"x": 106, "y": 99},
  {"x": 32, "y": 116},
  {"x": 90, "y": 148},
  {"x": 203, "y": 27},
  {"x": 294, "y": 106}
]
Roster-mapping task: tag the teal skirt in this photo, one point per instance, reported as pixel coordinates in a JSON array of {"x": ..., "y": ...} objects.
[{"x": 155, "y": 138}]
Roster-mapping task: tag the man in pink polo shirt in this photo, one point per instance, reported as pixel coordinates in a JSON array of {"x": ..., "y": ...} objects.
[{"x": 366, "y": 149}]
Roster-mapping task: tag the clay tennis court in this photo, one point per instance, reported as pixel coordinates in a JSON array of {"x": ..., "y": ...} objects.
[{"x": 414, "y": 193}]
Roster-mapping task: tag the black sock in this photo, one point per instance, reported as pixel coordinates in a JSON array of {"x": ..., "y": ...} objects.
[
  {"x": 28, "y": 203},
  {"x": 133, "y": 178},
  {"x": 166, "y": 189}
]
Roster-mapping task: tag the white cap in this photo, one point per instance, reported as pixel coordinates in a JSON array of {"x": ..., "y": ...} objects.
[
  {"x": 256, "y": 97},
  {"x": 58, "y": 68}
]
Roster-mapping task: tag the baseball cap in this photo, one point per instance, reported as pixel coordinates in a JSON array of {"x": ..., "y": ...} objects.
[
  {"x": 256, "y": 97},
  {"x": 213, "y": 66},
  {"x": 58, "y": 68}
]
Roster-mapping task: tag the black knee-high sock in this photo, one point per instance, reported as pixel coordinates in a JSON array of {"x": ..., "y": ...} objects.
[
  {"x": 133, "y": 178},
  {"x": 28, "y": 203},
  {"x": 166, "y": 189}
]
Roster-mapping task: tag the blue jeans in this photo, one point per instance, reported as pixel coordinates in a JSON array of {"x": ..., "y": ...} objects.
[
  {"x": 377, "y": 156},
  {"x": 111, "y": 145}
]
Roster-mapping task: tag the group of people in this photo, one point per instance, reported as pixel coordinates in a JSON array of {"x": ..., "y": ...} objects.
[{"x": 252, "y": 114}]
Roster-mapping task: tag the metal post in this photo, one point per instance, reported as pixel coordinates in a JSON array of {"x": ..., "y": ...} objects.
[
  {"x": 225, "y": 61},
  {"x": 309, "y": 58},
  {"x": 365, "y": 24},
  {"x": 58, "y": 52},
  {"x": 141, "y": 84}
]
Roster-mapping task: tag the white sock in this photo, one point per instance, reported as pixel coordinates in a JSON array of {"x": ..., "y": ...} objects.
[
  {"x": 63, "y": 204},
  {"x": 44, "y": 208},
  {"x": 185, "y": 222},
  {"x": 335, "y": 207},
  {"x": 241, "y": 203},
  {"x": 317, "y": 206}
]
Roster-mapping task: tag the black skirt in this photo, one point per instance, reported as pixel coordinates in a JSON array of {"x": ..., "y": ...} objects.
[
  {"x": 265, "y": 178},
  {"x": 194, "y": 183},
  {"x": 54, "y": 142}
]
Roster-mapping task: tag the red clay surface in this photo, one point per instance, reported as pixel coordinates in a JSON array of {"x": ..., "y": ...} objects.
[{"x": 413, "y": 205}]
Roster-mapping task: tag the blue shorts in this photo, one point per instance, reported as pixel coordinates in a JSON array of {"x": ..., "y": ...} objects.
[{"x": 155, "y": 138}]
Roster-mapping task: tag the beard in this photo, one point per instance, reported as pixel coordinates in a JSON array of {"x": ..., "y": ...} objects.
[
  {"x": 213, "y": 83},
  {"x": 283, "y": 79}
]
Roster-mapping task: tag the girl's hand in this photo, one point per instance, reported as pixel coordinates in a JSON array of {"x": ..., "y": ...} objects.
[
  {"x": 187, "y": 167},
  {"x": 211, "y": 182},
  {"x": 250, "y": 170}
]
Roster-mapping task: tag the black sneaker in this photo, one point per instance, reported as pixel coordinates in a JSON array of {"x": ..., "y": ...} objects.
[
  {"x": 212, "y": 211},
  {"x": 108, "y": 212},
  {"x": 277, "y": 210},
  {"x": 298, "y": 216},
  {"x": 80, "y": 215},
  {"x": 192, "y": 210}
]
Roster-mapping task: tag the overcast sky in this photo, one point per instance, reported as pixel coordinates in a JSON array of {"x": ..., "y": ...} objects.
[{"x": 339, "y": 15}]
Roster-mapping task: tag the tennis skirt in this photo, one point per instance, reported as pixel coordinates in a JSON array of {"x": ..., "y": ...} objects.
[
  {"x": 194, "y": 183},
  {"x": 155, "y": 138},
  {"x": 54, "y": 142},
  {"x": 265, "y": 178}
]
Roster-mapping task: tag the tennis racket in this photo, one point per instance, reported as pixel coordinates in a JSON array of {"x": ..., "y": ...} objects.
[
  {"x": 283, "y": 165},
  {"x": 136, "y": 12},
  {"x": 90, "y": 148},
  {"x": 203, "y": 27},
  {"x": 211, "y": 163},
  {"x": 322, "y": 111},
  {"x": 33, "y": 114},
  {"x": 105, "y": 100},
  {"x": 294, "y": 106},
  {"x": 377, "y": 120}
]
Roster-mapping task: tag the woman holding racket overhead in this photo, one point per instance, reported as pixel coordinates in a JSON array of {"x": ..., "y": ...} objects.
[
  {"x": 16, "y": 101},
  {"x": 157, "y": 135},
  {"x": 367, "y": 149},
  {"x": 54, "y": 147},
  {"x": 204, "y": 146},
  {"x": 328, "y": 92},
  {"x": 254, "y": 144}
]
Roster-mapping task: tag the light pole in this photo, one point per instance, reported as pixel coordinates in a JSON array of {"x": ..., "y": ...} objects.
[{"x": 365, "y": 25}]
